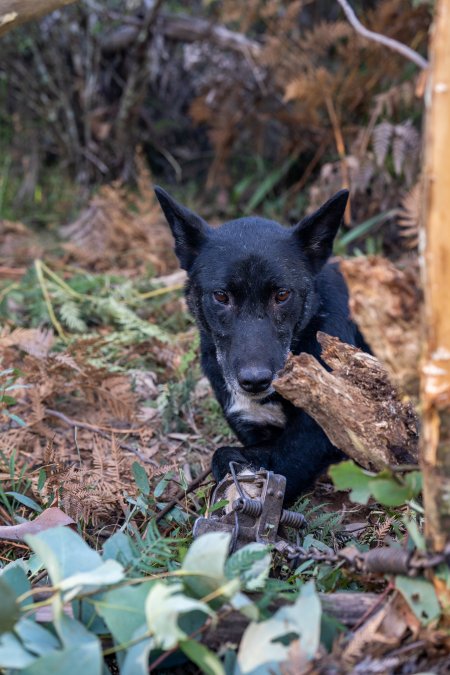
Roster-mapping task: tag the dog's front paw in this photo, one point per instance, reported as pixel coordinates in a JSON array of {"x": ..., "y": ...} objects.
[{"x": 222, "y": 457}]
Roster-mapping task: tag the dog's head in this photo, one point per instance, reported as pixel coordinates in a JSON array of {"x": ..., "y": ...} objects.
[{"x": 252, "y": 284}]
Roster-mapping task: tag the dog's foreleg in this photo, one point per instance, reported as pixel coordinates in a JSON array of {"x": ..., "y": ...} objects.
[{"x": 253, "y": 458}]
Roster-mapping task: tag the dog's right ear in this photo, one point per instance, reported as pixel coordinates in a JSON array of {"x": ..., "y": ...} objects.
[{"x": 188, "y": 229}]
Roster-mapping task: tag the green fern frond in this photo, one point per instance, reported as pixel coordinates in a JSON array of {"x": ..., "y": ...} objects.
[{"x": 71, "y": 316}]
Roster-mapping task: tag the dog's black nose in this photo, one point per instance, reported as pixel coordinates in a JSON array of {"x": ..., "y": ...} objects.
[{"x": 255, "y": 379}]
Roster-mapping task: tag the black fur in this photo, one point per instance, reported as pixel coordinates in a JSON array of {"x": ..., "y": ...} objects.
[{"x": 238, "y": 276}]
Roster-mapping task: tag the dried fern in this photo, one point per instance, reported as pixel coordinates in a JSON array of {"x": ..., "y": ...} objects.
[{"x": 410, "y": 215}]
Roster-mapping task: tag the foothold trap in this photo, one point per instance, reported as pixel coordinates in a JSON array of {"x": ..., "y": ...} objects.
[{"x": 248, "y": 519}]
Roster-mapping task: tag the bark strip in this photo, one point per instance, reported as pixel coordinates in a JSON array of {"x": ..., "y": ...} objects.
[{"x": 355, "y": 404}]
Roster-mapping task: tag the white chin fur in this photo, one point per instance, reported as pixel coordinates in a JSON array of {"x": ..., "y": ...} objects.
[{"x": 250, "y": 408}]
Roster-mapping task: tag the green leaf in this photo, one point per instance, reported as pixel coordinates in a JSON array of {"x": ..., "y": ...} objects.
[
  {"x": 389, "y": 492},
  {"x": 12, "y": 653},
  {"x": 35, "y": 637},
  {"x": 365, "y": 227},
  {"x": 206, "y": 561},
  {"x": 123, "y": 609},
  {"x": 26, "y": 501},
  {"x": 141, "y": 478},
  {"x": 107, "y": 573},
  {"x": 414, "y": 481},
  {"x": 347, "y": 475},
  {"x": 163, "y": 607},
  {"x": 63, "y": 553},
  {"x": 15, "y": 418},
  {"x": 205, "y": 659},
  {"x": 136, "y": 659},
  {"x": 9, "y": 608},
  {"x": 259, "y": 652},
  {"x": 119, "y": 547},
  {"x": 70, "y": 661},
  {"x": 420, "y": 596},
  {"x": 16, "y": 577},
  {"x": 251, "y": 564}
]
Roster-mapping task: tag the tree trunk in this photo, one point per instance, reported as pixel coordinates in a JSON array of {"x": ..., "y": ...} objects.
[
  {"x": 435, "y": 261},
  {"x": 356, "y": 404},
  {"x": 15, "y": 12}
]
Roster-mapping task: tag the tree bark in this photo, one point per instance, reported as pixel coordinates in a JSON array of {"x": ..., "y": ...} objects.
[
  {"x": 356, "y": 405},
  {"x": 385, "y": 302},
  {"x": 435, "y": 261},
  {"x": 15, "y": 12}
]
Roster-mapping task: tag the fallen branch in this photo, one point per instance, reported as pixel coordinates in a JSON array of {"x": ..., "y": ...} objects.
[
  {"x": 395, "y": 45},
  {"x": 349, "y": 608},
  {"x": 356, "y": 405}
]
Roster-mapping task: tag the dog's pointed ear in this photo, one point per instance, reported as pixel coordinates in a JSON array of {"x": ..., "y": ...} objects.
[
  {"x": 317, "y": 231},
  {"x": 188, "y": 229}
]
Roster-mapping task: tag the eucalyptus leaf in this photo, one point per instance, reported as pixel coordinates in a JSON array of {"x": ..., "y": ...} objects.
[
  {"x": 86, "y": 659},
  {"x": 260, "y": 652},
  {"x": 205, "y": 659},
  {"x": 35, "y": 637},
  {"x": 420, "y": 596},
  {"x": 107, "y": 573},
  {"x": 163, "y": 607},
  {"x": 63, "y": 553},
  {"x": 16, "y": 577},
  {"x": 119, "y": 547},
  {"x": 9, "y": 607},
  {"x": 136, "y": 658},
  {"x": 13, "y": 654},
  {"x": 123, "y": 609},
  {"x": 206, "y": 561}
]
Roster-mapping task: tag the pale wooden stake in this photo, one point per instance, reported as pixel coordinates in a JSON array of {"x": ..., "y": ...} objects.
[
  {"x": 435, "y": 264},
  {"x": 15, "y": 12}
]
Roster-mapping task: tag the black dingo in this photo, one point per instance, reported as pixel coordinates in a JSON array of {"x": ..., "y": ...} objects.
[{"x": 259, "y": 291}]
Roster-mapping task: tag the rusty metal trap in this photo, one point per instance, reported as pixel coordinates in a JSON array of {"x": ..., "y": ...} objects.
[{"x": 262, "y": 519}]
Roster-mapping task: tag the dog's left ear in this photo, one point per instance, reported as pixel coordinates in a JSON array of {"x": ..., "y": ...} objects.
[
  {"x": 317, "y": 231},
  {"x": 188, "y": 229}
]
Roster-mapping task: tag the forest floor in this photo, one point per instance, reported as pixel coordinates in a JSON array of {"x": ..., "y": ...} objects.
[{"x": 105, "y": 414}]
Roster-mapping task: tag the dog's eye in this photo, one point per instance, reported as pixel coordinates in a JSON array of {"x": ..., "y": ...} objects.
[
  {"x": 282, "y": 295},
  {"x": 221, "y": 297}
]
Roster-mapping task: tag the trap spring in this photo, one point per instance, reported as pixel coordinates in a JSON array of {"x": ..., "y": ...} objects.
[{"x": 260, "y": 519}]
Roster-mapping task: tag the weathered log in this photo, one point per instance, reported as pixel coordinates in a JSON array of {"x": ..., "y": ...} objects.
[
  {"x": 356, "y": 405},
  {"x": 15, "y": 12},
  {"x": 385, "y": 302},
  {"x": 349, "y": 608}
]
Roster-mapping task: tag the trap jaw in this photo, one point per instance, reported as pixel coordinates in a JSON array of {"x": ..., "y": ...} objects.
[{"x": 250, "y": 520}]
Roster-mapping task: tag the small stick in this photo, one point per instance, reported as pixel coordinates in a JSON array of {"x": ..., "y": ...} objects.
[
  {"x": 182, "y": 493},
  {"x": 395, "y": 45}
]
